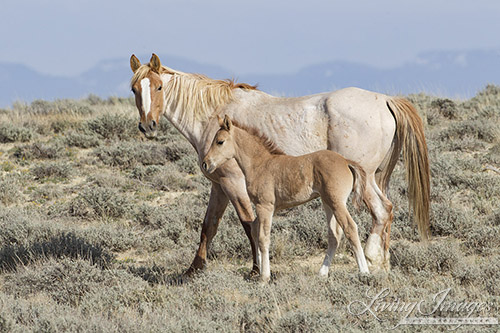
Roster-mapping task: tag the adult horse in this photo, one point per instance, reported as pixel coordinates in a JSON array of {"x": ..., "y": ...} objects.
[{"x": 366, "y": 127}]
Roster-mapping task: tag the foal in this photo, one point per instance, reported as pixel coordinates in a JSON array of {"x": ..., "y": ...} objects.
[{"x": 276, "y": 181}]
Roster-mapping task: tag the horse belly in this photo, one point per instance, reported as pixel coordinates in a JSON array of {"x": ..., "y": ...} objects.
[
  {"x": 296, "y": 201},
  {"x": 295, "y": 185}
]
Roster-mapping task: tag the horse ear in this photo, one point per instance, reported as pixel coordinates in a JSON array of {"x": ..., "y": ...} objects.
[
  {"x": 228, "y": 124},
  {"x": 134, "y": 63},
  {"x": 221, "y": 121},
  {"x": 155, "y": 63}
]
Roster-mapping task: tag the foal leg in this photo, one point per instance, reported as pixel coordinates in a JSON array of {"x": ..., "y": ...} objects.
[
  {"x": 351, "y": 232},
  {"x": 216, "y": 207},
  {"x": 264, "y": 217},
  {"x": 334, "y": 236},
  {"x": 377, "y": 245}
]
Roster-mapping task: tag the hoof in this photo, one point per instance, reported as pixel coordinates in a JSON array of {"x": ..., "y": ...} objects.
[
  {"x": 197, "y": 266},
  {"x": 323, "y": 272},
  {"x": 377, "y": 258}
]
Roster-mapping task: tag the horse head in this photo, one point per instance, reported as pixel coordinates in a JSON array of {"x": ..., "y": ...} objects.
[{"x": 147, "y": 86}]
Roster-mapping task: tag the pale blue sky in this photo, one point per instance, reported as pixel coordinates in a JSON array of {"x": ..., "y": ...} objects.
[{"x": 67, "y": 37}]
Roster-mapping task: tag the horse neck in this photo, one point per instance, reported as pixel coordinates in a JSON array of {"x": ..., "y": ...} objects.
[
  {"x": 189, "y": 126},
  {"x": 190, "y": 123},
  {"x": 250, "y": 153}
]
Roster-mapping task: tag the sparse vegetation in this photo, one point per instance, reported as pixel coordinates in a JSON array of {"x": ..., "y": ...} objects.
[{"x": 97, "y": 225}]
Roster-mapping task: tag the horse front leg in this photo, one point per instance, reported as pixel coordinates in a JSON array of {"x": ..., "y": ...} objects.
[
  {"x": 216, "y": 206},
  {"x": 235, "y": 189}
]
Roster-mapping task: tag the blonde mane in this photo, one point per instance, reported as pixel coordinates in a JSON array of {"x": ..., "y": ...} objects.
[{"x": 195, "y": 93}]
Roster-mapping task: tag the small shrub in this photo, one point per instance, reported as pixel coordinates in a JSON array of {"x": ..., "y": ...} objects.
[
  {"x": 40, "y": 107},
  {"x": 446, "y": 107},
  {"x": 51, "y": 170},
  {"x": 46, "y": 193},
  {"x": 154, "y": 217},
  {"x": 66, "y": 281},
  {"x": 439, "y": 256},
  {"x": 113, "y": 126},
  {"x": 162, "y": 178},
  {"x": 80, "y": 140},
  {"x": 11, "y": 133},
  {"x": 94, "y": 202},
  {"x": 60, "y": 125},
  {"x": 10, "y": 191},
  {"x": 467, "y": 273},
  {"x": 130, "y": 154},
  {"x": 482, "y": 239},
  {"x": 25, "y": 239},
  {"x": 39, "y": 151},
  {"x": 189, "y": 164}
]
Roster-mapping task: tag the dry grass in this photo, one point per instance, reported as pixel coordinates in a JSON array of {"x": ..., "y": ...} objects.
[{"x": 97, "y": 226}]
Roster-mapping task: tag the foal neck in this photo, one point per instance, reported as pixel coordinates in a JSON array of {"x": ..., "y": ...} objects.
[{"x": 251, "y": 151}]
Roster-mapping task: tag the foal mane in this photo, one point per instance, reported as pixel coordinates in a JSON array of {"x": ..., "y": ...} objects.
[
  {"x": 195, "y": 93},
  {"x": 270, "y": 146}
]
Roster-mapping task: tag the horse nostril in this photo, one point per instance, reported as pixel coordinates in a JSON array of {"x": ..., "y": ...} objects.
[
  {"x": 141, "y": 128},
  {"x": 152, "y": 126}
]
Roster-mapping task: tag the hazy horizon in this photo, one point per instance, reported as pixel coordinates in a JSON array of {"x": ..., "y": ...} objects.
[{"x": 66, "y": 38}]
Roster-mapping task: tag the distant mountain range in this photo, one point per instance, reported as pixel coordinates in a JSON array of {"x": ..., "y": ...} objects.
[{"x": 444, "y": 73}]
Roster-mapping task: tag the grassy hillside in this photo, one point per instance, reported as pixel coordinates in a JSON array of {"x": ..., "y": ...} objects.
[{"x": 97, "y": 225}]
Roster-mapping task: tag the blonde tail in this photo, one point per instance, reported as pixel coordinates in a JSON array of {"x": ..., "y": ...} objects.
[
  {"x": 411, "y": 140},
  {"x": 359, "y": 186}
]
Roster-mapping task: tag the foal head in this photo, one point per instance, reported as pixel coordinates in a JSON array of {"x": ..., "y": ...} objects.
[
  {"x": 222, "y": 148},
  {"x": 147, "y": 86}
]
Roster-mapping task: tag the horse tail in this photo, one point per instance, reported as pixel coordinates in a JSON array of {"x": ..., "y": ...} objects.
[
  {"x": 410, "y": 139},
  {"x": 359, "y": 186}
]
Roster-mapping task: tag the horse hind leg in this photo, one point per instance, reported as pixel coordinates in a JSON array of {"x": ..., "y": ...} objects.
[
  {"x": 334, "y": 236},
  {"x": 377, "y": 245},
  {"x": 338, "y": 208},
  {"x": 351, "y": 232}
]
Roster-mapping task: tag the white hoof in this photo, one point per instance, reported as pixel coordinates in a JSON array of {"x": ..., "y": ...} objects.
[
  {"x": 323, "y": 272},
  {"x": 376, "y": 257}
]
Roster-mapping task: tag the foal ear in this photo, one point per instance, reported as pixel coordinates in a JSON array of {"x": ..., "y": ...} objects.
[
  {"x": 134, "y": 63},
  {"x": 155, "y": 63},
  {"x": 221, "y": 121},
  {"x": 228, "y": 124}
]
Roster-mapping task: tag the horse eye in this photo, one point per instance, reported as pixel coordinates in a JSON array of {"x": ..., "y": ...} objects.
[
  {"x": 133, "y": 90},
  {"x": 220, "y": 142},
  {"x": 159, "y": 88}
]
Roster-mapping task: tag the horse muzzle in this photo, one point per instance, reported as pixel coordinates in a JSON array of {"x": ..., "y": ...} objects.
[
  {"x": 207, "y": 166},
  {"x": 149, "y": 131}
]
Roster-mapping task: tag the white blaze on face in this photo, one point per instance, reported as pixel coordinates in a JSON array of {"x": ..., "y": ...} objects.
[{"x": 146, "y": 96}]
